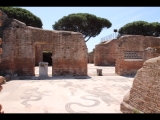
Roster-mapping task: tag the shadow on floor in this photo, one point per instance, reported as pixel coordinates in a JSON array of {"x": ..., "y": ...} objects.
[
  {"x": 131, "y": 76},
  {"x": 51, "y": 77}
]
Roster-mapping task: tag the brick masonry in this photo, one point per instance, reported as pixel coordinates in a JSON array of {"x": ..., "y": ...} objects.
[
  {"x": 91, "y": 57},
  {"x": 23, "y": 45},
  {"x": 137, "y": 44},
  {"x": 144, "y": 95},
  {"x": 1, "y": 13},
  {"x": 39, "y": 48},
  {"x": 105, "y": 53},
  {"x": 1, "y": 77}
]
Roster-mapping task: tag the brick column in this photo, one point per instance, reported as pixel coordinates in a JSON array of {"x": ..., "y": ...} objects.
[{"x": 0, "y": 34}]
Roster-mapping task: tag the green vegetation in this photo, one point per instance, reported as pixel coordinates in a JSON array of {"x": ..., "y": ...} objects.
[
  {"x": 23, "y": 15},
  {"x": 136, "y": 111},
  {"x": 87, "y": 24},
  {"x": 141, "y": 28}
]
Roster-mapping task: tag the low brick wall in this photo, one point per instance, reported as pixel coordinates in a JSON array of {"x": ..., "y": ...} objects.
[
  {"x": 105, "y": 53},
  {"x": 131, "y": 53}
]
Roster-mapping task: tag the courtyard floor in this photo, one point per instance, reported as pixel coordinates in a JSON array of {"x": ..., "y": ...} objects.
[{"x": 67, "y": 94}]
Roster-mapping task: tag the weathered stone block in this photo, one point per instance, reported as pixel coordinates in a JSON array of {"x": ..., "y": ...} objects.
[
  {"x": 43, "y": 69},
  {"x": 99, "y": 72}
]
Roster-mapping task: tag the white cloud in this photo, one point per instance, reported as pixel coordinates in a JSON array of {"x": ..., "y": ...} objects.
[
  {"x": 142, "y": 15},
  {"x": 135, "y": 18},
  {"x": 125, "y": 12}
]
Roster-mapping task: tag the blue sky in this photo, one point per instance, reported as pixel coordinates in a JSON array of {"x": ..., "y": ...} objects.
[{"x": 118, "y": 16}]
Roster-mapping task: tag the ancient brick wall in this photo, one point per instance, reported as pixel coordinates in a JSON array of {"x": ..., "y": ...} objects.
[
  {"x": 131, "y": 53},
  {"x": 144, "y": 95},
  {"x": 3, "y": 18},
  {"x": 39, "y": 48},
  {"x": 150, "y": 53},
  {"x": 105, "y": 53},
  {"x": 1, "y": 13},
  {"x": 91, "y": 57},
  {"x": 1, "y": 35},
  {"x": 20, "y": 45}
]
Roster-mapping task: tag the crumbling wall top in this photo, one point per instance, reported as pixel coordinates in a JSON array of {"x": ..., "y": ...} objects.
[
  {"x": 14, "y": 23},
  {"x": 3, "y": 17},
  {"x": 55, "y": 31}
]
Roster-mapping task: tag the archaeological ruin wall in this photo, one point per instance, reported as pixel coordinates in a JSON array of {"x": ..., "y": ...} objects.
[
  {"x": 132, "y": 52},
  {"x": 2, "y": 19},
  {"x": 105, "y": 53},
  {"x": 144, "y": 95},
  {"x": 39, "y": 48},
  {"x": 2, "y": 79},
  {"x": 23, "y": 46},
  {"x": 91, "y": 57}
]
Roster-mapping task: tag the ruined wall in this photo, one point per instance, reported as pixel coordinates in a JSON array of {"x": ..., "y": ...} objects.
[
  {"x": 3, "y": 18},
  {"x": 144, "y": 95},
  {"x": 150, "y": 53},
  {"x": 105, "y": 53},
  {"x": 131, "y": 53},
  {"x": 91, "y": 57},
  {"x": 20, "y": 45},
  {"x": 0, "y": 34}
]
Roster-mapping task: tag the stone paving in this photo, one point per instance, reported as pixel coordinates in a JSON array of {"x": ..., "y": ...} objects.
[{"x": 67, "y": 94}]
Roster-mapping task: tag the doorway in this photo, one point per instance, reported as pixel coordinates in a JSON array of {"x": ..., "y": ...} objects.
[{"x": 47, "y": 57}]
